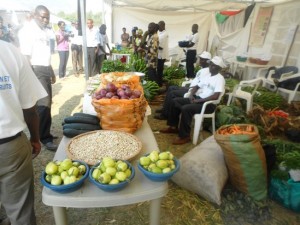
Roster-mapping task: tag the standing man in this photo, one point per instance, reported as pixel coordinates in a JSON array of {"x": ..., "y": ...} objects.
[
  {"x": 191, "y": 52},
  {"x": 37, "y": 49},
  {"x": 76, "y": 48},
  {"x": 19, "y": 92},
  {"x": 163, "y": 50},
  {"x": 182, "y": 110},
  {"x": 103, "y": 43},
  {"x": 92, "y": 42},
  {"x": 152, "y": 51}
]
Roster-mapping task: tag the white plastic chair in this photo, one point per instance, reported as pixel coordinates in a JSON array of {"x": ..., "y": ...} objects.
[
  {"x": 291, "y": 93},
  {"x": 169, "y": 62},
  {"x": 200, "y": 117},
  {"x": 239, "y": 93}
]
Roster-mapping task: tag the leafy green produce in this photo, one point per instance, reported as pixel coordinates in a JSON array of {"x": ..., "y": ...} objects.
[
  {"x": 115, "y": 66},
  {"x": 230, "y": 115},
  {"x": 173, "y": 72}
]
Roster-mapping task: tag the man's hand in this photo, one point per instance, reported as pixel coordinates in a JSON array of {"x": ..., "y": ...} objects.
[
  {"x": 191, "y": 97},
  {"x": 53, "y": 79},
  {"x": 36, "y": 148}
]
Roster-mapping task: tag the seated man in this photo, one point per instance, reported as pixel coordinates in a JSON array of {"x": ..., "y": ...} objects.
[
  {"x": 208, "y": 88},
  {"x": 175, "y": 91}
]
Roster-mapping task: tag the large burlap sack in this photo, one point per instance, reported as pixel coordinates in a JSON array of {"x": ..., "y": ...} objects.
[
  {"x": 203, "y": 171},
  {"x": 121, "y": 114},
  {"x": 245, "y": 160}
]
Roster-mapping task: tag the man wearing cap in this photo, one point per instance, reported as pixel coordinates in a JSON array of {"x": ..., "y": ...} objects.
[
  {"x": 208, "y": 88},
  {"x": 175, "y": 91}
]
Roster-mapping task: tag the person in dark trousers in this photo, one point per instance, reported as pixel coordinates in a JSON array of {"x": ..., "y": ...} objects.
[
  {"x": 37, "y": 50},
  {"x": 176, "y": 91},
  {"x": 191, "y": 52},
  {"x": 92, "y": 42},
  {"x": 62, "y": 45},
  {"x": 152, "y": 51},
  {"x": 183, "y": 109},
  {"x": 163, "y": 51},
  {"x": 19, "y": 92}
]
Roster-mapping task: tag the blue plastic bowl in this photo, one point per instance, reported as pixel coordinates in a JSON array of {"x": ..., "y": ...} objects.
[
  {"x": 112, "y": 187},
  {"x": 68, "y": 187},
  {"x": 160, "y": 176}
]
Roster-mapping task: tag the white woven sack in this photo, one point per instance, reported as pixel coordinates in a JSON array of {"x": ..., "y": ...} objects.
[{"x": 203, "y": 171}]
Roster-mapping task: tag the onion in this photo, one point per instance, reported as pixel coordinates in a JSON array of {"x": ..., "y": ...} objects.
[
  {"x": 125, "y": 86},
  {"x": 128, "y": 92},
  {"x": 102, "y": 92},
  {"x": 137, "y": 93},
  {"x": 110, "y": 87},
  {"x": 115, "y": 97},
  {"x": 124, "y": 97},
  {"x": 109, "y": 94},
  {"x": 121, "y": 93}
]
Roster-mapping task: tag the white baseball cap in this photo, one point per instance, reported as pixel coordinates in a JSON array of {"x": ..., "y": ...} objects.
[
  {"x": 217, "y": 60},
  {"x": 205, "y": 55}
]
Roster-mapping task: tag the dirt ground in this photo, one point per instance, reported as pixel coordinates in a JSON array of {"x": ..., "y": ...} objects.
[{"x": 178, "y": 207}]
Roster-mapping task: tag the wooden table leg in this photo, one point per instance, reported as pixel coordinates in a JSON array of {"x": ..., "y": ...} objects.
[
  {"x": 60, "y": 215},
  {"x": 155, "y": 211}
]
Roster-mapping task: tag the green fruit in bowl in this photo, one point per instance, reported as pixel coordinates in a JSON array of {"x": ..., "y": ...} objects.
[
  {"x": 163, "y": 155},
  {"x": 162, "y": 164},
  {"x": 66, "y": 164},
  {"x": 145, "y": 161},
  {"x": 104, "y": 178},
  {"x": 111, "y": 171},
  {"x": 121, "y": 176},
  {"x": 154, "y": 156},
  {"x": 51, "y": 168},
  {"x": 122, "y": 166},
  {"x": 56, "y": 180},
  {"x": 96, "y": 174}
]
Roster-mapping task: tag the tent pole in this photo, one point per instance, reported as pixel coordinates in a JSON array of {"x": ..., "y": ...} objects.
[{"x": 82, "y": 6}]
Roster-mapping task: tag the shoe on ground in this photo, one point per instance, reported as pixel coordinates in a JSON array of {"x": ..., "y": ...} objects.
[
  {"x": 160, "y": 117},
  {"x": 51, "y": 146},
  {"x": 181, "y": 141},
  {"x": 5, "y": 221},
  {"x": 159, "y": 110},
  {"x": 169, "y": 130}
]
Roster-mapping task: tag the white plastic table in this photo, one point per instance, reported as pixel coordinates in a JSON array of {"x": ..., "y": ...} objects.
[{"x": 89, "y": 196}]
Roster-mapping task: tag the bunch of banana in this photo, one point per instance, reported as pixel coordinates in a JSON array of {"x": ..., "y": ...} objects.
[{"x": 151, "y": 89}]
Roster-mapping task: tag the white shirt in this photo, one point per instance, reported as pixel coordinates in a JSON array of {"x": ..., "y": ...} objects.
[
  {"x": 19, "y": 89},
  {"x": 76, "y": 40},
  {"x": 103, "y": 39},
  {"x": 199, "y": 75},
  {"x": 195, "y": 39},
  {"x": 36, "y": 44},
  {"x": 208, "y": 85},
  {"x": 92, "y": 37},
  {"x": 163, "y": 38}
]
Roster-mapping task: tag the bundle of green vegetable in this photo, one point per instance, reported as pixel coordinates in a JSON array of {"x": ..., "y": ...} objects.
[{"x": 115, "y": 66}]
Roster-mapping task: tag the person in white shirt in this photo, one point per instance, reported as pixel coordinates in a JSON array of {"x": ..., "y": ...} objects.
[
  {"x": 208, "y": 88},
  {"x": 163, "y": 51},
  {"x": 103, "y": 43},
  {"x": 76, "y": 48},
  {"x": 191, "y": 52},
  {"x": 19, "y": 92},
  {"x": 175, "y": 91},
  {"x": 38, "y": 51},
  {"x": 92, "y": 42}
]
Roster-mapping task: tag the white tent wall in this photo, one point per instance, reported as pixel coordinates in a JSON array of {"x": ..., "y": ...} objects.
[
  {"x": 277, "y": 41},
  {"x": 178, "y": 24}
]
